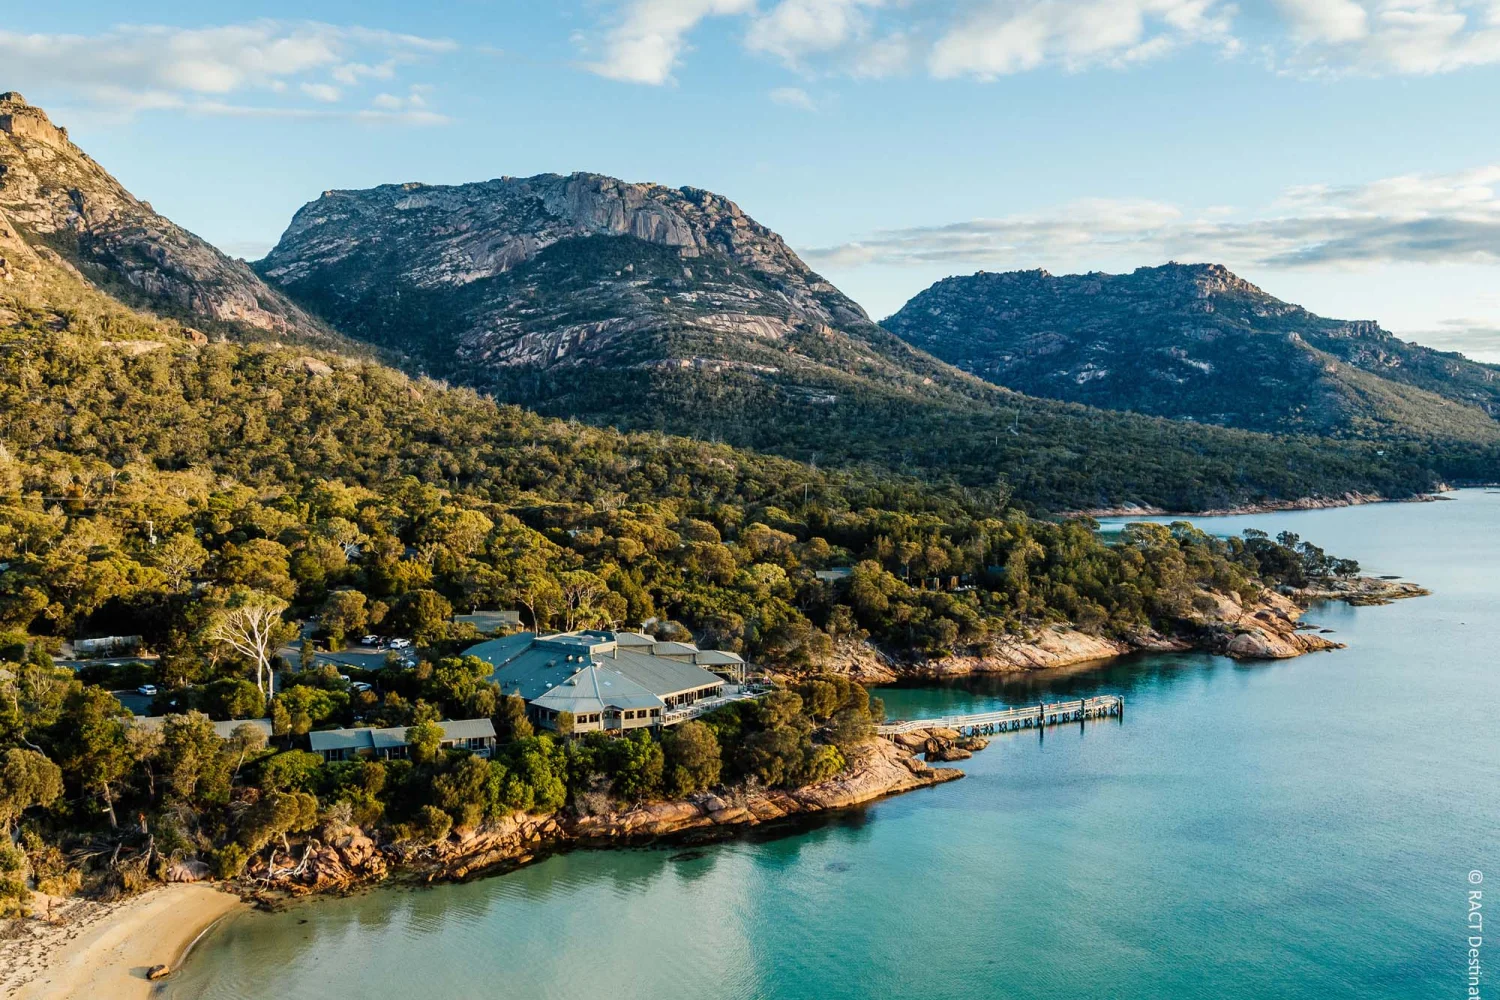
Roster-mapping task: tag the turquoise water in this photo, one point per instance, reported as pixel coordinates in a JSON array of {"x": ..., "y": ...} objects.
[{"x": 1301, "y": 829}]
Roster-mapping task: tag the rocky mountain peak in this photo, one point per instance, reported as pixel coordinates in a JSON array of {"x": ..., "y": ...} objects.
[
  {"x": 56, "y": 198},
  {"x": 1194, "y": 341},
  {"x": 1201, "y": 280},
  {"x": 440, "y": 235},
  {"x": 21, "y": 119}
]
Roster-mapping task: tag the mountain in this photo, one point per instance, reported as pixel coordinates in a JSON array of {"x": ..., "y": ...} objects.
[
  {"x": 1196, "y": 342},
  {"x": 503, "y": 280},
  {"x": 643, "y": 306},
  {"x": 59, "y": 208}
]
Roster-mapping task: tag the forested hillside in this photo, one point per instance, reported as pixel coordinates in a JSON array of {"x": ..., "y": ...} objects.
[{"x": 640, "y": 306}]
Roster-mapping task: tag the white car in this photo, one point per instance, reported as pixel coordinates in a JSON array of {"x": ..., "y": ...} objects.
[
  {"x": 360, "y": 686},
  {"x": 147, "y": 689},
  {"x": 370, "y": 640},
  {"x": 400, "y": 643}
]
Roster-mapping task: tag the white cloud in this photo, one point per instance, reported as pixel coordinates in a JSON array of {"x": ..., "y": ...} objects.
[
  {"x": 1419, "y": 218},
  {"x": 209, "y": 70},
  {"x": 1477, "y": 338},
  {"x": 1391, "y": 36},
  {"x": 1325, "y": 20},
  {"x": 794, "y": 29},
  {"x": 794, "y": 97},
  {"x": 647, "y": 42},
  {"x": 881, "y": 57},
  {"x": 350, "y": 74},
  {"x": 1011, "y": 36},
  {"x": 322, "y": 91}
]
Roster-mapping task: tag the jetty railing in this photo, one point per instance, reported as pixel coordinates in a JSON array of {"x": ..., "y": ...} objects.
[{"x": 1009, "y": 719}]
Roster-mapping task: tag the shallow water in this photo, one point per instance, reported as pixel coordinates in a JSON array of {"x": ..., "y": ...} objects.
[{"x": 1296, "y": 829}]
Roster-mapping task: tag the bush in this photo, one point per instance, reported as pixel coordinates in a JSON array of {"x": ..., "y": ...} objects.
[
  {"x": 293, "y": 770},
  {"x": 14, "y": 895},
  {"x": 432, "y": 825},
  {"x": 692, "y": 758},
  {"x": 228, "y": 861}
]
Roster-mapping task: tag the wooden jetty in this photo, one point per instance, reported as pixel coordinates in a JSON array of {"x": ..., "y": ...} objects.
[{"x": 1010, "y": 719}]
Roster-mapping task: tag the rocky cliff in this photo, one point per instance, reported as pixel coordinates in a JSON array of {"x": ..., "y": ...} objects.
[
  {"x": 60, "y": 208},
  {"x": 1197, "y": 342}
]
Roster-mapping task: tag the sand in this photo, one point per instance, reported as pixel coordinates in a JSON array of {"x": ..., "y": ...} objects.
[{"x": 96, "y": 950}]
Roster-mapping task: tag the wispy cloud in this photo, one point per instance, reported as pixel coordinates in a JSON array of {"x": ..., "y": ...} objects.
[
  {"x": 1425, "y": 218},
  {"x": 1475, "y": 337},
  {"x": 1377, "y": 37},
  {"x": 794, "y": 97},
  {"x": 650, "y": 36},
  {"x": 646, "y": 41},
  {"x": 1005, "y": 37},
  {"x": 259, "y": 67}
]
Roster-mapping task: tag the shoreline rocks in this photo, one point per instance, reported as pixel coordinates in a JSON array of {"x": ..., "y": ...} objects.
[
  {"x": 1364, "y": 591},
  {"x": 1351, "y": 499},
  {"x": 877, "y": 769},
  {"x": 1269, "y": 627}
]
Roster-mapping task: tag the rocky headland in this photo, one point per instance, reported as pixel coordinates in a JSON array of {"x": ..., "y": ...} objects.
[{"x": 1269, "y": 627}]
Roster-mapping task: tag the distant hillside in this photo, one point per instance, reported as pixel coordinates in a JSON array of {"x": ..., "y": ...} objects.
[
  {"x": 1196, "y": 342},
  {"x": 68, "y": 211},
  {"x": 650, "y": 307}
]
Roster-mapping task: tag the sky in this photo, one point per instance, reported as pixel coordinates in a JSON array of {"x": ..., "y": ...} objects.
[{"x": 1341, "y": 154}]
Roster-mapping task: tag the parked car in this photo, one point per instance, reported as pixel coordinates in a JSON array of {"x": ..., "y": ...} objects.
[
  {"x": 370, "y": 640},
  {"x": 360, "y": 686},
  {"x": 400, "y": 643},
  {"x": 344, "y": 678},
  {"x": 149, "y": 690}
]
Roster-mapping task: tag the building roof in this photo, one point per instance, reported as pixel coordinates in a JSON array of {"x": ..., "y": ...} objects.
[
  {"x": 223, "y": 729},
  {"x": 634, "y": 639},
  {"x": 532, "y": 667},
  {"x": 673, "y": 649},
  {"x": 593, "y": 689},
  {"x": 716, "y": 657},
  {"x": 490, "y": 621},
  {"x": 385, "y": 739}
]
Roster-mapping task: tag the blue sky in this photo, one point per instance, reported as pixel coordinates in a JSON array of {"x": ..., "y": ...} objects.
[{"x": 1344, "y": 154}]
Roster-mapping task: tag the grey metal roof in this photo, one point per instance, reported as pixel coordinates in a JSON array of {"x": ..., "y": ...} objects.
[
  {"x": 531, "y": 667},
  {"x": 634, "y": 639},
  {"x": 489, "y": 621},
  {"x": 595, "y": 688},
  {"x": 673, "y": 649},
  {"x": 717, "y": 657},
  {"x": 658, "y": 674},
  {"x": 223, "y": 729},
  {"x": 385, "y": 739}
]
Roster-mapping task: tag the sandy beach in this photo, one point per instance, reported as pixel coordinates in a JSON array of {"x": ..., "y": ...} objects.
[{"x": 99, "y": 950}]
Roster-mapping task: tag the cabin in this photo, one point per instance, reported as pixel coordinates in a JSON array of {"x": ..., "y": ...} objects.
[
  {"x": 474, "y": 735},
  {"x": 611, "y": 681},
  {"x": 223, "y": 729},
  {"x": 490, "y": 622}
]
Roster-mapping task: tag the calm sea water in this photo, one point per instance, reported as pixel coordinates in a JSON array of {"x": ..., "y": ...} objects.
[{"x": 1302, "y": 829}]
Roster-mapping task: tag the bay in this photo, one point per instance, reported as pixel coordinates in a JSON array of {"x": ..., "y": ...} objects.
[{"x": 1298, "y": 829}]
